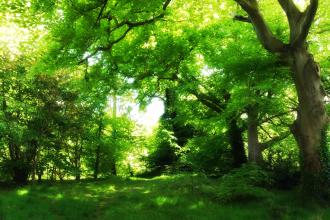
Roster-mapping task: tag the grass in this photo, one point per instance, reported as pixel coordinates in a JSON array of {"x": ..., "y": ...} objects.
[{"x": 165, "y": 197}]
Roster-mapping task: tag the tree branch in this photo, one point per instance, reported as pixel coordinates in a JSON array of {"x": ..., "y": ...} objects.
[
  {"x": 309, "y": 16},
  {"x": 107, "y": 47},
  {"x": 264, "y": 34},
  {"x": 101, "y": 11},
  {"x": 274, "y": 140},
  {"x": 165, "y": 5},
  {"x": 299, "y": 22},
  {"x": 323, "y": 30},
  {"x": 290, "y": 9},
  {"x": 242, "y": 18},
  {"x": 208, "y": 101},
  {"x": 130, "y": 24},
  {"x": 140, "y": 23},
  {"x": 293, "y": 16},
  {"x": 276, "y": 116}
]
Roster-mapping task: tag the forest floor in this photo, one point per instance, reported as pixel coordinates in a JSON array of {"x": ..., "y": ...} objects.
[{"x": 166, "y": 197}]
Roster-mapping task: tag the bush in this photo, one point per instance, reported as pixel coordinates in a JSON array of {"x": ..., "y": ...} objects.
[
  {"x": 4, "y": 172},
  {"x": 210, "y": 155},
  {"x": 285, "y": 176},
  {"x": 244, "y": 184},
  {"x": 163, "y": 155},
  {"x": 284, "y": 166}
]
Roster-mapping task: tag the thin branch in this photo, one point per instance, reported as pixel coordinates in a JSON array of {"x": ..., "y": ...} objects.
[
  {"x": 130, "y": 24},
  {"x": 242, "y": 18},
  {"x": 140, "y": 23},
  {"x": 276, "y": 116},
  {"x": 264, "y": 130},
  {"x": 105, "y": 48},
  {"x": 167, "y": 2},
  {"x": 209, "y": 101},
  {"x": 175, "y": 21},
  {"x": 101, "y": 11},
  {"x": 323, "y": 31},
  {"x": 274, "y": 140}
]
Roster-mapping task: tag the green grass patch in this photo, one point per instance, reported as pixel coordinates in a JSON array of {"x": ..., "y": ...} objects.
[{"x": 164, "y": 197}]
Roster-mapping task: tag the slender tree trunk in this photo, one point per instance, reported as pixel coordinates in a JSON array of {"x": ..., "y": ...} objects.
[
  {"x": 254, "y": 149},
  {"x": 311, "y": 124},
  {"x": 31, "y": 157},
  {"x": 114, "y": 168},
  {"x": 53, "y": 173},
  {"x": 38, "y": 166},
  {"x": 33, "y": 173},
  {"x": 235, "y": 138},
  {"x": 130, "y": 171},
  {"x": 78, "y": 176},
  {"x": 97, "y": 162},
  {"x": 114, "y": 132},
  {"x": 34, "y": 169},
  {"x": 60, "y": 175},
  {"x": 98, "y": 149},
  {"x": 78, "y": 164},
  {"x": 114, "y": 105},
  {"x": 78, "y": 152}
]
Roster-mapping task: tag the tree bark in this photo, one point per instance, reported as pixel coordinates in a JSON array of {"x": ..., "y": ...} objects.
[
  {"x": 20, "y": 169},
  {"x": 97, "y": 162},
  {"x": 31, "y": 158},
  {"x": 98, "y": 148},
  {"x": 254, "y": 149},
  {"x": 312, "y": 121},
  {"x": 114, "y": 168},
  {"x": 235, "y": 138},
  {"x": 311, "y": 124},
  {"x": 78, "y": 151}
]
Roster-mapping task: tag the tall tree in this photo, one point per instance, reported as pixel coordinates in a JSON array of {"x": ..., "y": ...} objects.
[{"x": 310, "y": 127}]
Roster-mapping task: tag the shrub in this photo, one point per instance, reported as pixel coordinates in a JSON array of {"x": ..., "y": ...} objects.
[
  {"x": 210, "y": 155},
  {"x": 285, "y": 176},
  {"x": 244, "y": 184}
]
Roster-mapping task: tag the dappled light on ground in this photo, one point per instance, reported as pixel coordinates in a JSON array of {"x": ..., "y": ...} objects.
[{"x": 22, "y": 192}]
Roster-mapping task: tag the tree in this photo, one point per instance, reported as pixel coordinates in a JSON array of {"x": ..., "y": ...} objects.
[{"x": 312, "y": 121}]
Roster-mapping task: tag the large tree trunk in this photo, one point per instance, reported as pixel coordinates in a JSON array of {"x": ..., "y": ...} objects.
[
  {"x": 20, "y": 174},
  {"x": 20, "y": 171},
  {"x": 235, "y": 138},
  {"x": 254, "y": 149},
  {"x": 311, "y": 124},
  {"x": 312, "y": 121}
]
